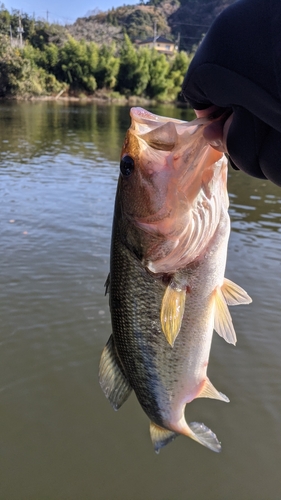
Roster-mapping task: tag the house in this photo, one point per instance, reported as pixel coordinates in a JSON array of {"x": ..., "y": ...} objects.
[{"x": 160, "y": 43}]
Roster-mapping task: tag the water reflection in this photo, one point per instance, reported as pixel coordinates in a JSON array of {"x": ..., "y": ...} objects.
[
  {"x": 48, "y": 127},
  {"x": 59, "y": 437}
]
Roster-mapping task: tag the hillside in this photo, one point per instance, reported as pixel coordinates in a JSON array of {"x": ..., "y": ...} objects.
[
  {"x": 138, "y": 21},
  {"x": 40, "y": 58},
  {"x": 193, "y": 18},
  {"x": 185, "y": 20}
]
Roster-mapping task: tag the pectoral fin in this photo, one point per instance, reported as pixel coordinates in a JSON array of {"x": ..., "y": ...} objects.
[
  {"x": 223, "y": 322},
  {"x": 112, "y": 379},
  {"x": 234, "y": 294},
  {"x": 160, "y": 436},
  {"x": 209, "y": 391},
  {"x": 172, "y": 310}
]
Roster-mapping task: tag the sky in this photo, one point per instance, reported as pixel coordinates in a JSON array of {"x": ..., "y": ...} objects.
[{"x": 63, "y": 11}]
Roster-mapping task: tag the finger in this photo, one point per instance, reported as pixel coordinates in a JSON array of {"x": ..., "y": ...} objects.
[
  {"x": 226, "y": 128},
  {"x": 216, "y": 132},
  {"x": 270, "y": 156},
  {"x": 245, "y": 136},
  {"x": 202, "y": 113},
  {"x": 213, "y": 133}
]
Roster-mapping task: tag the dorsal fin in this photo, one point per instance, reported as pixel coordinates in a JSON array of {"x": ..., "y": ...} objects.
[
  {"x": 107, "y": 284},
  {"x": 112, "y": 380}
]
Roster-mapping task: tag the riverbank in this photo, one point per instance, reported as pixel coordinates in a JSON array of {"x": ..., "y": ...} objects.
[
  {"x": 99, "y": 97},
  {"x": 105, "y": 99}
]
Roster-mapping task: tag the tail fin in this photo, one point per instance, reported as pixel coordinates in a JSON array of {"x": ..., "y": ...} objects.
[
  {"x": 204, "y": 436},
  {"x": 160, "y": 436},
  {"x": 199, "y": 432}
]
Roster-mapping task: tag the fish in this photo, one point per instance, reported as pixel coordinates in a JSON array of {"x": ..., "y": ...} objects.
[{"x": 167, "y": 290}]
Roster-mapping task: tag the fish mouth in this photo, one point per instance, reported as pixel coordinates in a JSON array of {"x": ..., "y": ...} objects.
[
  {"x": 159, "y": 132},
  {"x": 180, "y": 194},
  {"x": 143, "y": 117}
]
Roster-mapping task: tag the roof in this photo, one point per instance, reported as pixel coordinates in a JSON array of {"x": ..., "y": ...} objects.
[{"x": 159, "y": 39}]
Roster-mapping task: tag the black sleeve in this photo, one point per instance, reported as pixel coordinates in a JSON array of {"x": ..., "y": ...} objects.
[{"x": 238, "y": 66}]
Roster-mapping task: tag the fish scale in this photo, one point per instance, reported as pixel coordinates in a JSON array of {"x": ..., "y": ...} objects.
[
  {"x": 135, "y": 302},
  {"x": 167, "y": 296}
]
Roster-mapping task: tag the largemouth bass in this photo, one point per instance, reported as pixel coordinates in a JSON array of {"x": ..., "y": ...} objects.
[{"x": 167, "y": 290}]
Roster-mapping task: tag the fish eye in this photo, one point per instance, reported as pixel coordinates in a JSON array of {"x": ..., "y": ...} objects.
[{"x": 127, "y": 166}]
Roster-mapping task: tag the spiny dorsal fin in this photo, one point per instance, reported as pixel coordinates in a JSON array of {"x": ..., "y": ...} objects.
[
  {"x": 223, "y": 322},
  {"x": 112, "y": 380},
  {"x": 234, "y": 294},
  {"x": 107, "y": 284},
  {"x": 160, "y": 436},
  {"x": 209, "y": 391},
  {"x": 203, "y": 435},
  {"x": 172, "y": 310}
]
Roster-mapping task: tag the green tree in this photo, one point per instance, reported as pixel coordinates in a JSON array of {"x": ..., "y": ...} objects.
[
  {"x": 41, "y": 33},
  {"x": 127, "y": 76},
  {"x": 158, "y": 84},
  {"x": 138, "y": 23},
  {"x": 142, "y": 74},
  {"x": 78, "y": 62},
  {"x": 108, "y": 67},
  {"x": 19, "y": 74},
  {"x": 5, "y": 20},
  {"x": 176, "y": 74},
  {"x": 50, "y": 58},
  {"x": 47, "y": 58},
  {"x": 181, "y": 62}
]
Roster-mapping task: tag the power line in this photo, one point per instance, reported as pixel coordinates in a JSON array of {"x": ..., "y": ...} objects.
[
  {"x": 191, "y": 37},
  {"x": 191, "y": 24}
]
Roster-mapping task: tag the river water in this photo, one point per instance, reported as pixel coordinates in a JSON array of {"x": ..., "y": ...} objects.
[{"x": 59, "y": 437}]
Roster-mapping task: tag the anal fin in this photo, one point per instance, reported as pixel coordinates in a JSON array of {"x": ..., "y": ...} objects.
[
  {"x": 209, "y": 391},
  {"x": 160, "y": 436},
  {"x": 111, "y": 378},
  {"x": 172, "y": 310},
  {"x": 203, "y": 435},
  {"x": 234, "y": 294}
]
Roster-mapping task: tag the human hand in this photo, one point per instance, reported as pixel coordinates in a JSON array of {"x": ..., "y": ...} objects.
[
  {"x": 236, "y": 69},
  {"x": 216, "y": 132}
]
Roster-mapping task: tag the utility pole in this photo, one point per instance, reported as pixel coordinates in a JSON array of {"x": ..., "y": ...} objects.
[
  {"x": 47, "y": 16},
  {"x": 20, "y": 31},
  {"x": 178, "y": 41},
  {"x": 154, "y": 33}
]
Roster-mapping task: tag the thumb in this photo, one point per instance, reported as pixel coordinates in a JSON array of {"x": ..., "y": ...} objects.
[{"x": 245, "y": 137}]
